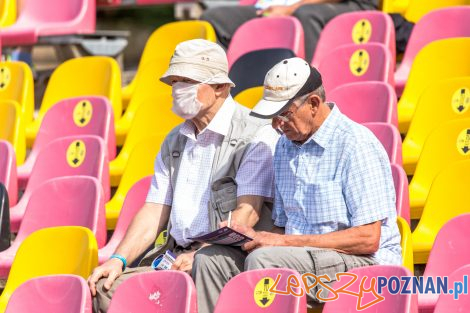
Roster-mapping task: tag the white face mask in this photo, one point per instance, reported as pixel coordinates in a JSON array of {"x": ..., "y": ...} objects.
[{"x": 185, "y": 102}]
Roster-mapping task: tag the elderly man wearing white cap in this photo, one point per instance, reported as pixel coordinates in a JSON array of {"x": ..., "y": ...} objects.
[
  {"x": 334, "y": 205},
  {"x": 219, "y": 160}
]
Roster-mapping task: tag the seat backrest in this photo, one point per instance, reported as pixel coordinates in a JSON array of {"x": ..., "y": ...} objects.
[
  {"x": 356, "y": 63},
  {"x": 390, "y": 138},
  {"x": 406, "y": 244},
  {"x": 8, "y": 175},
  {"x": 40, "y": 11},
  {"x": 250, "y": 97},
  {"x": 162, "y": 291},
  {"x": 12, "y": 128},
  {"x": 448, "y": 302},
  {"x": 252, "y": 289},
  {"x": 17, "y": 84},
  {"x": 278, "y": 32},
  {"x": 54, "y": 294},
  {"x": 400, "y": 181},
  {"x": 4, "y": 219},
  {"x": 7, "y": 12},
  {"x": 251, "y": 68},
  {"x": 366, "y": 102},
  {"x": 393, "y": 303},
  {"x": 417, "y": 9},
  {"x": 71, "y": 156},
  {"x": 62, "y": 250},
  {"x": 66, "y": 201},
  {"x": 356, "y": 28}
]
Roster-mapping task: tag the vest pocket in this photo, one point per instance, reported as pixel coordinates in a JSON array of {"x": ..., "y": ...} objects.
[{"x": 224, "y": 197}]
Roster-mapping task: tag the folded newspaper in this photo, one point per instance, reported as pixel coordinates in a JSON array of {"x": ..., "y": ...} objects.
[{"x": 223, "y": 236}]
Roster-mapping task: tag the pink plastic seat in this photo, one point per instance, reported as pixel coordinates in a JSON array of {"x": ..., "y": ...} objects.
[
  {"x": 63, "y": 201},
  {"x": 446, "y": 302},
  {"x": 8, "y": 176},
  {"x": 431, "y": 28},
  {"x": 392, "y": 303},
  {"x": 72, "y": 117},
  {"x": 239, "y": 293},
  {"x": 55, "y": 160},
  {"x": 277, "y": 32},
  {"x": 366, "y": 102},
  {"x": 449, "y": 252},
  {"x": 53, "y": 294},
  {"x": 135, "y": 199},
  {"x": 356, "y": 28},
  {"x": 400, "y": 181},
  {"x": 50, "y": 18},
  {"x": 356, "y": 63},
  {"x": 158, "y": 291},
  {"x": 390, "y": 138}
]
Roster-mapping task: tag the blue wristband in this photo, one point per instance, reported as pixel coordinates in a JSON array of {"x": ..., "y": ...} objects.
[{"x": 120, "y": 257}]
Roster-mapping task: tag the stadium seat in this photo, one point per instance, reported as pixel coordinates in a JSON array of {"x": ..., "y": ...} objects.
[
  {"x": 161, "y": 45},
  {"x": 148, "y": 85},
  {"x": 4, "y": 219},
  {"x": 251, "y": 68},
  {"x": 8, "y": 176},
  {"x": 366, "y": 102},
  {"x": 63, "y": 201},
  {"x": 53, "y": 294},
  {"x": 7, "y": 12},
  {"x": 406, "y": 244},
  {"x": 356, "y": 63},
  {"x": 36, "y": 18},
  {"x": 402, "y": 193},
  {"x": 157, "y": 291},
  {"x": 419, "y": 8},
  {"x": 153, "y": 118},
  {"x": 448, "y": 254},
  {"x": 251, "y": 289},
  {"x": 72, "y": 117},
  {"x": 394, "y": 6},
  {"x": 68, "y": 156},
  {"x": 12, "y": 128},
  {"x": 446, "y": 144},
  {"x": 140, "y": 164},
  {"x": 446, "y": 302},
  {"x": 250, "y": 97},
  {"x": 135, "y": 199},
  {"x": 438, "y": 60},
  {"x": 17, "y": 84},
  {"x": 389, "y": 136},
  {"x": 356, "y": 28},
  {"x": 445, "y": 200},
  {"x": 49, "y": 251},
  {"x": 431, "y": 28},
  {"x": 278, "y": 32},
  {"x": 393, "y": 303},
  {"x": 86, "y": 76},
  {"x": 442, "y": 101}
]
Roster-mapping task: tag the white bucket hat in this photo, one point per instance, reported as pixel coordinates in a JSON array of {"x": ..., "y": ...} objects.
[{"x": 200, "y": 60}]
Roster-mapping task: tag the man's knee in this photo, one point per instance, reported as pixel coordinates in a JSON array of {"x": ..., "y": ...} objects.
[
  {"x": 212, "y": 14},
  {"x": 260, "y": 258}
]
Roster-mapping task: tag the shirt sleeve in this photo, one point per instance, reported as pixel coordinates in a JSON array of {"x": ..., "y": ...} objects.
[
  {"x": 160, "y": 190},
  {"x": 368, "y": 184},
  {"x": 279, "y": 215},
  {"x": 256, "y": 174}
]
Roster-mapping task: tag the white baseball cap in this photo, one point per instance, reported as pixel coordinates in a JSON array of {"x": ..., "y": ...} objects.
[
  {"x": 285, "y": 82},
  {"x": 200, "y": 60}
]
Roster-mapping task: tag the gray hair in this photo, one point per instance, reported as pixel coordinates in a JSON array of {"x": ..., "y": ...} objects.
[{"x": 320, "y": 92}]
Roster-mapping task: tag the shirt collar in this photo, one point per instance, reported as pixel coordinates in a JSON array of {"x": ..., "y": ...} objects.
[{"x": 324, "y": 134}]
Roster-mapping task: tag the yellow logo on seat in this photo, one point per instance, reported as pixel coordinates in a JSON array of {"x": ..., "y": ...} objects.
[
  {"x": 5, "y": 77},
  {"x": 263, "y": 297},
  {"x": 82, "y": 113},
  {"x": 76, "y": 153},
  {"x": 461, "y": 100},
  {"x": 463, "y": 142},
  {"x": 359, "y": 62},
  {"x": 361, "y": 31}
]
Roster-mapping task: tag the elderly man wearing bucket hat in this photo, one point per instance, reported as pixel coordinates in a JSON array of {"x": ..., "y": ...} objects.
[
  {"x": 334, "y": 206},
  {"x": 220, "y": 160}
]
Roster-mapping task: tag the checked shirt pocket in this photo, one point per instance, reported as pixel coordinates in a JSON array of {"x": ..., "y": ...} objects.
[{"x": 326, "y": 203}]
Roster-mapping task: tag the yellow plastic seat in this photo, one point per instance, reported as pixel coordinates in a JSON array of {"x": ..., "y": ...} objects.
[
  {"x": 438, "y": 60},
  {"x": 446, "y": 200},
  {"x": 49, "y": 251},
  {"x": 95, "y": 76},
  {"x": 12, "y": 129},
  {"x": 417, "y": 8},
  {"x": 148, "y": 84},
  {"x": 446, "y": 144},
  {"x": 7, "y": 12},
  {"x": 395, "y": 6},
  {"x": 161, "y": 45},
  {"x": 250, "y": 97},
  {"x": 153, "y": 118},
  {"x": 406, "y": 244},
  {"x": 139, "y": 165},
  {"x": 17, "y": 84},
  {"x": 442, "y": 101}
]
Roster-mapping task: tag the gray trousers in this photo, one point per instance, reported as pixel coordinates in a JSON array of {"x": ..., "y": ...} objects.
[
  {"x": 313, "y": 18},
  {"x": 215, "y": 265}
]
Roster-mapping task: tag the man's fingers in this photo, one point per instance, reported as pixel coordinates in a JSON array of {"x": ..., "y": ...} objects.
[
  {"x": 111, "y": 278},
  {"x": 95, "y": 276},
  {"x": 223, "y": 224},
  {"x": 177, "y": 264}
]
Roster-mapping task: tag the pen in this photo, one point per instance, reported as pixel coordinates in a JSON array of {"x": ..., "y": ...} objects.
[{"x": 229, "y": 218}]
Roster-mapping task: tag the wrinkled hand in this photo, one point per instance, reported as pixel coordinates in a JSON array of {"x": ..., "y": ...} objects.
[
  {"x": 277, "y": 10},
  {"x": 260, "y": 239},
  {"x": 111, "y": 269},
  {"x": 184, "y": 262}
]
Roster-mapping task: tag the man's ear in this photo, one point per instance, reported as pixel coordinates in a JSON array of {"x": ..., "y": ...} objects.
[
  {"x": 220, "y": 89},
  {"x": 314, "y": 101}
]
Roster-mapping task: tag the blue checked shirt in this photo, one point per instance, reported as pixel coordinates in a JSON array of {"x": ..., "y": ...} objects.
[{"x": 337, "y": 179}]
